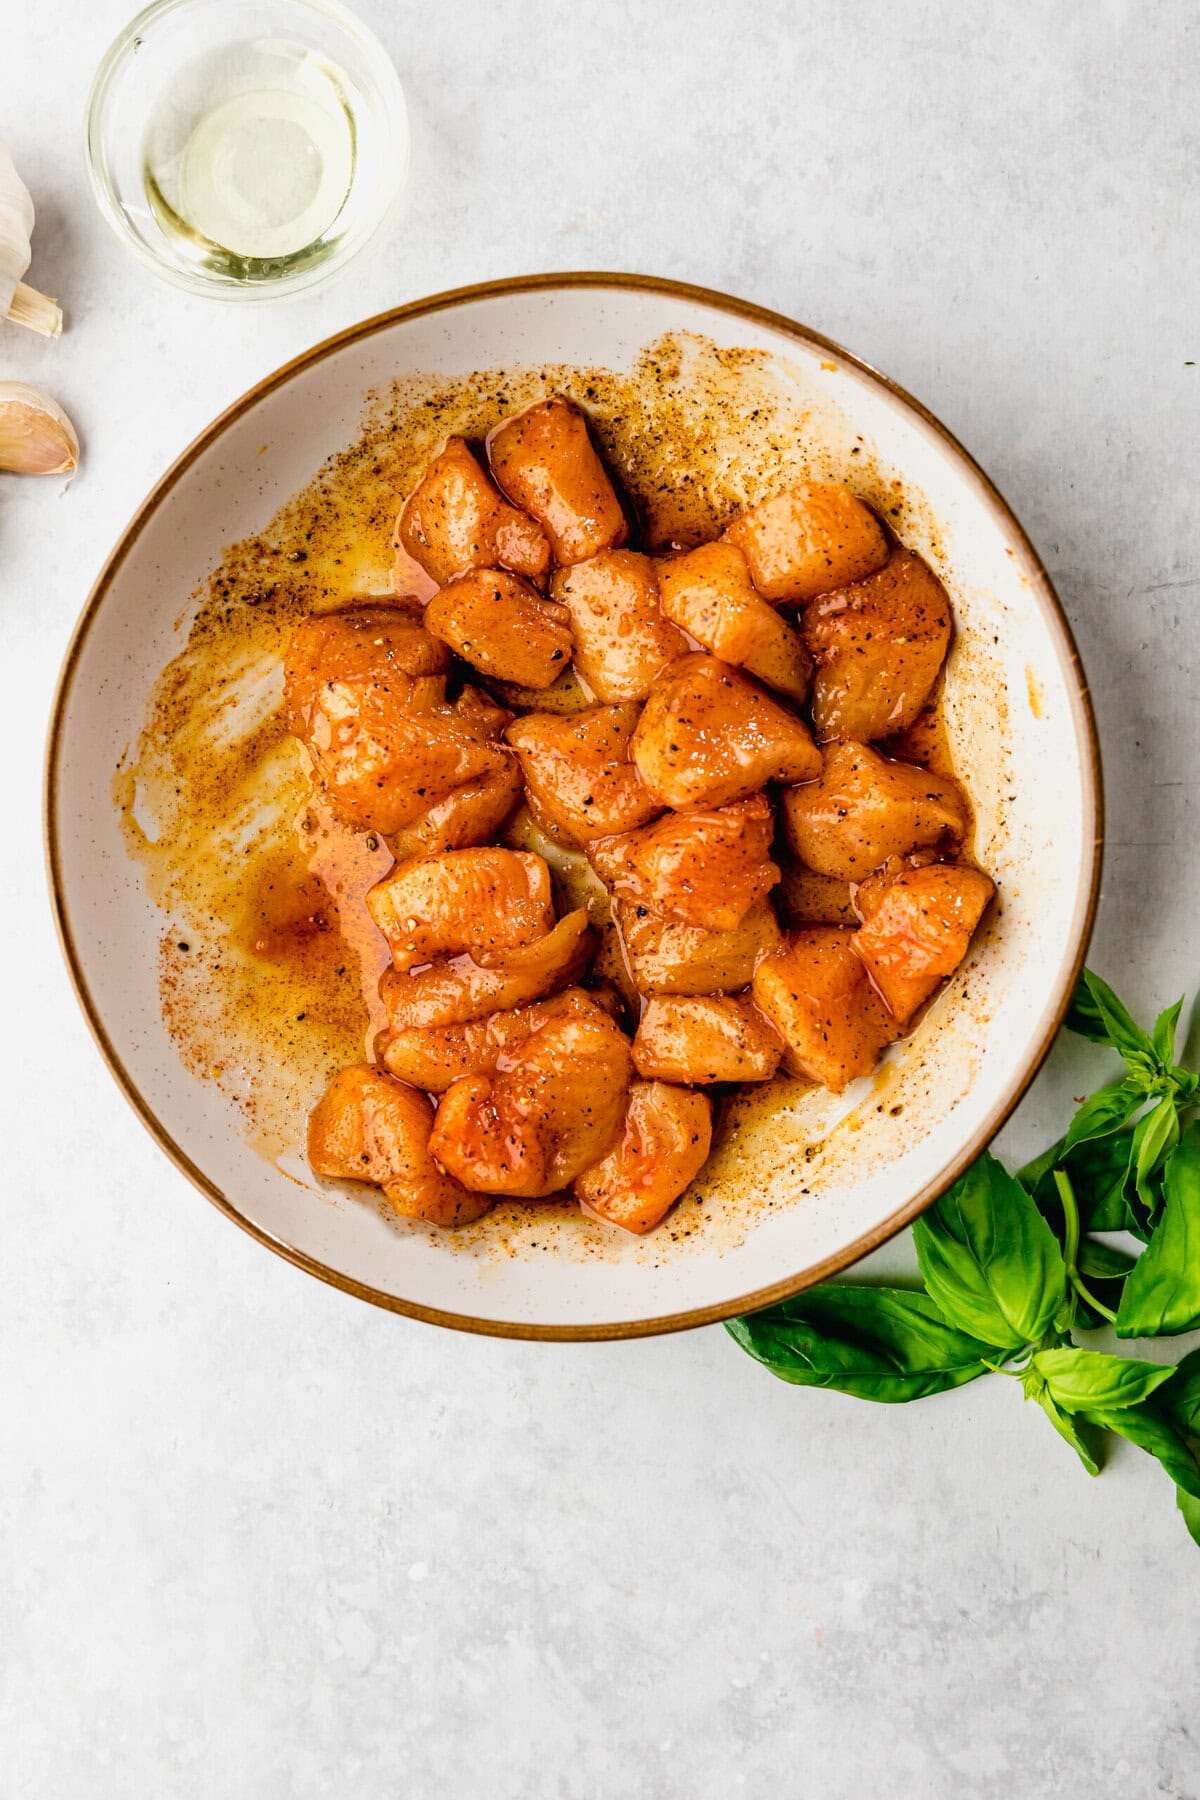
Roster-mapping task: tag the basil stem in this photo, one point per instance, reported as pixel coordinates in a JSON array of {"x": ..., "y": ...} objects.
[{"x": 1066, "y": 1194}]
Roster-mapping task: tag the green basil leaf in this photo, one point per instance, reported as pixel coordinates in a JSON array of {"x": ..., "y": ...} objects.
[
  {"x": 1084, "y": 1380},
  {"x": 1162, "y": 1294},
  {"x": 1181, "y": 1395},
  {"x": 1136, "y": 1222},
  {"x": 1164, "y": 1032},
  {"x": 1098, "y": 1169},
  {"x": 1072, "y": 1312},
  {"x": 1083, "y": 1014},
  {"x": 1036, "y": 1175},
  {"x": 882, "y": 1344},
  {"x": 1189, "y": 1506},
  {"x": 1187, "y": 1084},
  {"x": 1096, "y": 1013},
  {"x": 1146, "y": 1426},
  {"x": 1102, "y": 1262},
  {"x": 1157, "y": 1135},
  {"x": 1103, "y": 1112},
  {"x": 989, "y": 1259},
  {"x": 1070, "y": 1429}
]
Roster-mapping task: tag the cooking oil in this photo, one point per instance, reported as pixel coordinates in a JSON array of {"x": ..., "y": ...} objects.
[{"x": 249, "y": 158}]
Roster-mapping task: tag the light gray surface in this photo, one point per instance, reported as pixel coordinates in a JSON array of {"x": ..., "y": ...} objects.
[{"x": 262, "y": 1542}]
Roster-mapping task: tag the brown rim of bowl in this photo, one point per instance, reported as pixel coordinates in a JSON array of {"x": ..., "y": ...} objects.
[{"x": 705, "y": 1315}]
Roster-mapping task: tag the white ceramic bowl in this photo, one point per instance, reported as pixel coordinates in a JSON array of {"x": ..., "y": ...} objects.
[{"x": 795, "y": 1199}]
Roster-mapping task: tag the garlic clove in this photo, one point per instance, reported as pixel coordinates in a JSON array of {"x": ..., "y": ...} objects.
[
  {"x": 23, "y": 304},
  {"x": 36, "y": 436},
  {"x": 16, "y": 228}
]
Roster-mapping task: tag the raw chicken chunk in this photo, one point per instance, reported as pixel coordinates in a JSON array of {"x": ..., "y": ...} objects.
[
  {"x": 710, "y": 594},
  {"x": 578, "y": 773},
  {"x": 864, "y": 809},
  {"x": 455, "y": 520},
  {"x": 370, "y": 1127},
  {"x": 476, "y": 811},
  {"x": 705, "y": 1038},
  {"x": 814, "y": 992},
  {"x": 433, "y": 1057},
  {"x": 502, "y": 627},
  {"x": 567, "y": 695},
  {"x": 919, "y": 930},
  {"x": 470, "y": 814},
  {"x": 454, "y": 990},
  {"x": 668, "y": 958},
  {"x": 878, "y": 648},
  {"x": 363, "y": 690},
  {"x": 665, "y": 1138},
  {"x": 552, "y": 1108},
  {"x": 811, "y": 899},
  {"x": 477, "y": 900},
  {"x": 707, "y": 736},
  {"x": 702, "y": 868},
  {"x": 622, "y": 640},
  {"x": 546, "y": 463},
  {"x": 812, "y": 537}
]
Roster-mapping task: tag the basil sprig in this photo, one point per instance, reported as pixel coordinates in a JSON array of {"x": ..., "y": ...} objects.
[
  {"x": 1011, "y": 1267},
  {"x": 875, "y": 1343}
]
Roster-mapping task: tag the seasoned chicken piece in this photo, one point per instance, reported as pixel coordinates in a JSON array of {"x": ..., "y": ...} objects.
[
  {"x": 869, "y": 893},
  {"x": 919, "y": 930},
  {"x": 455, "y": 520},
  {"x": 810, "y": 538},
  {"x": 481, "y": 713},
  {"x": 470, "y": 814},
  {"x": 704, "y": 1038},
  {"x": 924, "y": 742},
  {"x": 707, "y": 736},
  {"x": 364, "y": 692},
  {"x": 622, "y": 640},
  {"x": 878, "y": 648},
  {"x": 577, "y": 884},
  {"x": 578, "y": 773},
  {"x": 814, "y": 992},
  {"x": 454, "y": 990},
  {"x": 366, "y": 650},
  {"x": 546, "y": 463},
  {"x": 864, "y": 809},
  {"x": 703, "y": 868},
  {"x": 665, "y": 1138},
  {"x": 567, "y": 695},
  {"x": 479, "y": 901},
  {"x": 476, "y": 811},
  {"x": 552, "y": 1108},
  {"x": 370, "y": 1127},
  {"x": 412, "y": 588},
  {"x": 710, "y": 594},
  {"x": 436, "y": 1056},
  {"x": 811, "y": 899},
  {"x": 668, "y": 958},
  {"x": 502, "y": 627}
]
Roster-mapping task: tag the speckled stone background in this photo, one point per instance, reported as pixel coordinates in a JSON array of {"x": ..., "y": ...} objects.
[{"x": 263, "y": 1543}]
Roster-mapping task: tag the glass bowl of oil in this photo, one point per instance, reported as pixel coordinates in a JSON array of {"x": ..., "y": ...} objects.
[{"x": 246, "y": 148}]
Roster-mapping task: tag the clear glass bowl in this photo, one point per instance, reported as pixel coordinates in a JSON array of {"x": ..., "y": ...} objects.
[{"x": 182, "y": 72}]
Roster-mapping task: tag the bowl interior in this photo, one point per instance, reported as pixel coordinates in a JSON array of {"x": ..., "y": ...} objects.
[{"x": 798, "y": 1192}]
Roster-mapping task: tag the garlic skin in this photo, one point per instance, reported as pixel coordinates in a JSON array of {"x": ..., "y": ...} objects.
[
  {"x": 16, "y": 228},
  {"x": 36, "y": 436},
  {"x": 19, "y": 302}
]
